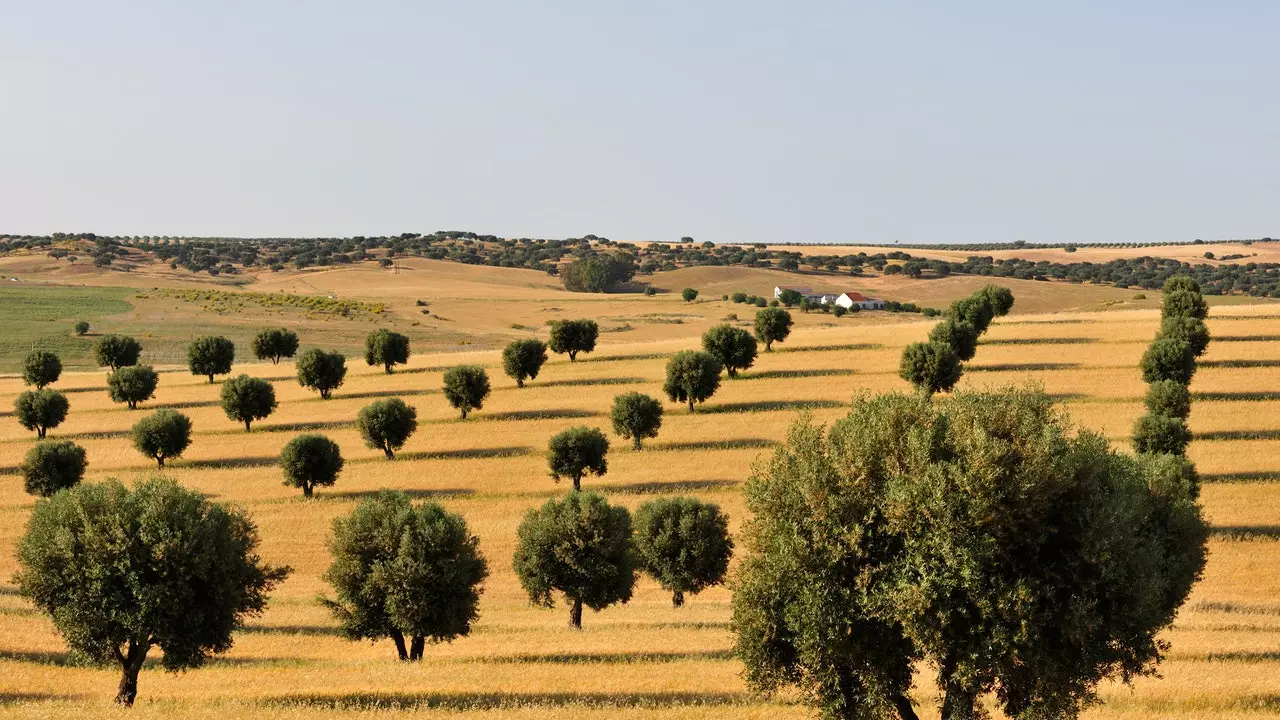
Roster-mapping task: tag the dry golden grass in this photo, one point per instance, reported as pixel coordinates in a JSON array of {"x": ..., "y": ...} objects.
[{"x": 643, "y": 660}]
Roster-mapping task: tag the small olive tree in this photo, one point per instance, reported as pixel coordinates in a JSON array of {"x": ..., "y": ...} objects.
[
  {"x": 573, "y": 337},
  {"x": 321, "y": 371},
  {"x": 689, "y": 294},
  {"x": 931, "y": 367},
  {"x": 114, "y": 593},
  {"x": 211, "y": 355},
  {"x": 692, "y": 377},
  {"x": 132, "y": 385},
  {"x": 523, "y": 359},
  {"x": 275, "y": 344},
  {"x": 1169, "y": 398},
  {"x": 735, "y": 348},
  {"x": 466, "y": 387},
  {"x": 163, "y": 435},
  {"x": 41, "y": 410},
  {"x": 772, "y": 325},
  {"x": 405, "y": 572},
  {"x": 580, "y": 546},
  {"x": 309, "y": 461},
  {"x": 577, "y": 451},
  {"x": 41, "y": 368},
  {"x": 387, "y": 424},
  {"x": 53, "y": 466},
  {"x": 958, "y": 334},
  {"x": 636, "y": 416},
  {"x": 1163, "y": 434},
  {"x": 81, "y": 327},
  {"x": 684, "y": 544},
  {"x": 1168, "y": 359},
  {"x": 386, "y": 348},
  {"x": 117, "y": 351},
  {"x": 245, "y": 399}
]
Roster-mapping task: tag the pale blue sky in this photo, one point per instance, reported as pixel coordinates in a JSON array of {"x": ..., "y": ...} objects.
[{"x": 901, "y": 121}]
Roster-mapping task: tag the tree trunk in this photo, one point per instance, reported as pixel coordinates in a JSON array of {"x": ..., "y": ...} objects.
[
  {"x": 519, "y": 382},
  {"x": 210, "y": 378},
  {"x": 577, "y": 482},
  {"x": 415, "y": 650},
  {"x": 575, "y": 615},
  {"x": 464, "y": 414},
  {"x": 690, "y": 404},
  {"x": 130, "y": 666},
  {"x": 388, "y": 367},
  {"x": 573, "y": 355},
  {"x": 40, "y": 431},
  {"x": 635, "y": 442},
  {"x": 160, "y": 462},
  {"x": 768, "y": 347},
  {"x": 388, "y": 452},
  {"x": 677, "y": 599},
  {"x": 246, "y": 425},
  {"x": 306, "y": 489},
  {"x": 400, "y": 649},
  {"x": 906, "y": 710}
]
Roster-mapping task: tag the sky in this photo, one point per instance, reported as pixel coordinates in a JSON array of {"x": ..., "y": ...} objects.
[{"x": 896, "y": 121}]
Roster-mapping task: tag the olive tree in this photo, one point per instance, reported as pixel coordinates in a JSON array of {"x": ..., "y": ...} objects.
[
  {"x": 321, "y": 371},
  {"x": 1190, "y": 330},
  {"x": 958, "y": 334},
  {"x": 245, "y": 399},
  {"x": 580, "y": 546},
  {"x": 931, "y": 367},
  {"x": 689, "y": 294},
  {"x": 523, "y": 359},
  {"x": 81, "y": 327},
  {"x": 211, "y": 355},
  {"x": 636, "y": 416},
  {"x": 684, "y": 544},
  {"x": 163, "y": 435},
  {"x": 275, "y": 344},
  {"x": 41, "y": 368},
  {"x": 132, "y": 385},
  {"x": 466, "y": 387},
  {"x": 386, "y": 348},
  {"x": 1181, "y": 282},
  {"x": 53, "y": 466},
  {"x": 573, "y": 337},
  {"x": 733, "y": 347},
  {"x": 1168, "y": 359},
  {"x": 405, "y": 572},
  {"x": 692, "y": 377},
  {"x": 1184, "y": 303},
  {"x": 117, "y": 351},
  {"x": 577, "y": 451},
  {"x": 999, "y": 299},
  {"x": 113, "y": 592},
  {"x": 311, "y": 460},
  {"x": 387, "y": 424},
  {"x": 1169, "y": 398},
  {"x": 1154, "y": 433},
  {"x": 41, "y": 410},
  {"x": 772, "y": 325}
]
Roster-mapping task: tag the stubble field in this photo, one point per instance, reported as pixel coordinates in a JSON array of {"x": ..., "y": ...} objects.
[{"x": 644, "y": 659}]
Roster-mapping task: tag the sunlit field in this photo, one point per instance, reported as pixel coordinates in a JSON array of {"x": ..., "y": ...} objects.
[{"x": 643, "y": 659}]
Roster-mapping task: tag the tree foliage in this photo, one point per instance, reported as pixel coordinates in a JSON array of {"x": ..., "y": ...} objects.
[
  {"x": 523, "y": 359},
  {"x": 321, "y": 371},
  {"x": 41, "y": 368},
  {"x": 41, "y": 410},
  {"x": 117, "y": 351},
  {"x": 52, "y": 466},
  {"x": 790, "y": 298},
  {"x": 133, "y": 384},
  {"x": 466, "y": 387},
  {"x": 636, "y": 416},
  {"x": 1156, "y": 433},
  {"x": 211, "y": 355},
  {"x": 692, "y": 377},
  {"x": 577, "y": 451},
  {"x": 184, "y": 582},
  {"x": 684, "y": 544},
  {"x": 386, "y": 348},
  {"x": 689, "y": 294},
  {"x": 1190, "y": 330},
  {"x": 1168, "y": 359},
  {"x": 931, "y": 367},
  {"x": 597, "y": 273},
  {"x": 310, "y": 461},
  {"x": 387, "y": 424},
  {"x": 275, "y": 344},
  {"x": 735, "y": 348},
  {"x": 1184, "y": 303},
  {"x": 772, "y": 325},
  {"x": 163, "y": 435},
  {"x": 1169, "y": 398},
  {"x": 573, "y": 337},
  {"x": 245, "y": 399},
  {"x": 958, "y": 334}
]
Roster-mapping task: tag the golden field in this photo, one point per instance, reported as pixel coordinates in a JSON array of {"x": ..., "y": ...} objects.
[{"x": 644, "y": 659}]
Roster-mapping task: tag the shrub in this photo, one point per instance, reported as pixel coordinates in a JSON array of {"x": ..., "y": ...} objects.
[
  {"x": 931, "y": 367},
  {"x": 386, "y": 348},
  {"x": 53, "y": 466},
  {"x": 310, "y": 461},
  {"x": 113, "y": 592},
  {"x": 274, "y": 344},
  {"x": 684, "y": 544},
  {"x": 650, "y": 291},
  {"x": 1161, "y": 434},
  {"x": 1184, "y": 303},
  {"x": 132, "y": 385},
  {"x": 1168, "y": 359},
  {"x": 466, "y": 387},
  {"x": 790, "y": 298},
  {"x": 1169, "y": 398},
  {"x": 245, "y": 399},
  {"x": 41, "y": 410},
  {"x": 321, "y": 371},
  {"x": 839, "y": 310},
  {"x": 523, "y": 359},
  {"x": 733, "y": 347},
  {"x": 162, "y": 435},
  {"x": 82, "y": 327},
  {"x": 577, "y": 451},
  {"x": 117, "y": 351},
  {"x": 761, "y": 302},
  {"x": 636, "y": 416},
  {"x": 41, "y": 368},
  {"x": 692, "y": 377},
  {"x": 738, "y": 297},
  {"x": 772, "y": 325},
  {"x": 580, "y": 546},
  {"x": 689, "y": 294},
  {"x": 959, "y": 335},
  {"x": 1190, "y": 330},
  {"x": 211, "y": 355},
  {"x": 573, "y": 337},
  {"x": 387, "y": 424}
]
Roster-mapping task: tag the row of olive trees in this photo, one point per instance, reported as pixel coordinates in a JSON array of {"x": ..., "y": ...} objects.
[
  {"x": 935, "y": 365},
  {"x": 1168, "y": 366}
]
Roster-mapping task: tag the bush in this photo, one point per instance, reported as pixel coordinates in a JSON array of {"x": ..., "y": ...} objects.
[
  {"x": 53, "y": 466},
  {"x": 1169, "y": 398},
  {"x": 931, "y": 367},
  {"x": 184, "y": 583},
  {"x": 689, "y": 294},
  {"x": 386, "y": 348},
  {"x": 733, "y": 347},
  {"x": 577, "y": 451},
  {"x": 387, "y": 424},
  {"x": 1184, "y": 303},
  {"x": 274, "y": 344},
  {"x": 401, "y": 571},
  {"x": 1168, "y": 359},
  {"x": 523, "y": 359},
  {"x": 132, "y": 385},
  {"x": 684, "y": 544},
  {"x": 839, "y": 310},
  {"x": 245, "y": 399},
  {"x": 1190, "y": 330},
  {"x": 573, "y": 337},
  {"x": 692, "y": 377},
  {"x": 162, "y": 435},
  {"x": 738, "y": 297},
  {"x": 636, "y": 416},
  {"x": 466, "y": 387},
  {"x": 761, "y": 302},
  {"x": 211, "y": 356},
  {"x": 958, "y": 334},
  {"x": 321, "y": 371},
  {"x": 82, "y": 327},
  {"x": 41, "y": 410},
  {"x": 772, "y": 325},
  {"x": 650, "y": 291},
  {"x": 117, "y": 351},
  {"x": 790, "y": 298},
  {"x": 1161, "y": 434},
  {"x": 310, "y": 461},
  {"x": 41, "y": 368},
  {"x": 580, "y": 546}
]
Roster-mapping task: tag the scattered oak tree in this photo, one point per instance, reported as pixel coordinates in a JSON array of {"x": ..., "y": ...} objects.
[
  {"x": 733, "y": 347},
  {"x": 114, "y": 593},
  {"x": 684, "y": 544},
  {"x": 636, "y": 416},
  {"x": 573, "y": 337},
  {"x": 53, "y": 466},
  {"x": 274, "y": 344},
  {"x": 577, "y": 451},
  {"x": 466, "y": 387},
  {"x": 309, "y": 461},
  {"x": 931, "y": 367},
  {"x": 162, "y": 435},
  {"x": 580, "y": 546},
  {"x": 321, "y": 371},
  {"x": 387, "y": 424},
  {"x": 245, "y": 399},
  {"x": 523, "y": 359},
  {"x": 772, "y": 325},
  {"x": 211, "y": 355},
  {"x": 117, "y": 351},
  {"x": 386, "y": 348},
  {"x": 41, "y": 368},
  {"x": 133, "y": 384},
  {"x": 41, "y": 410},
  {"x": 692, "y": 377}
]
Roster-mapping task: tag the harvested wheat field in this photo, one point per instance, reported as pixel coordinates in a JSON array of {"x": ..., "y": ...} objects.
[{"x": 643, "y": 659}]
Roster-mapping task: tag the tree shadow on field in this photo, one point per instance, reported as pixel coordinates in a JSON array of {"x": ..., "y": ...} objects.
[
  {"x": 1040, "y": 341},
  {"x": 259, "y": 461},
  {"x": 829, "y": 348},
  {"x": 1240, "y": 477},
  {"x": 588, "y": 381},
  {"x": 306, "y": 426},
  {"x": 1245, "y": 532},
  {"x": 13, "y": 698},
  {"x": 1237, "y": 435},
  {"x": 658, "y": 488},
  {"x": 504, "y": 701},
  {"x": 1246, "y": 396},
  {"x": 469, "y": 453},
  {"x": 189, "y": 405},
  {"x": 1239, "y": 363},
  {"x": 1234, "y": 608},
  {"x": 786, "y": 374},
  {"x": 547, "y": 414},
  {"x": 737, "y": 444},
  {"x": 98, "y": 435},
  {"x": 569, "y": 658},
  {"x": 69, "y": 391},
  {"x": 369, "y": 394},
  {"x": 1248, "y": 656},
  {"x": 769, "y": 406},
  {"x": 633, "y": 356},
  {"x": 415, "y": 493},
  {"x": 52, "y": 658}
]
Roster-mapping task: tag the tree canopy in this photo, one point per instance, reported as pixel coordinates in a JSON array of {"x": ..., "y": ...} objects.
[
  {"x": 573, "y": 337},
  {"x": 931, "y": 367},
  {"x": 41, "y": 410},
  {"x": 117, "y": 351},
  {"x": 245, "y": 399},
  {"x": 684, "y": 544},
  {"x": 275, "y": 344},
  {"x": 41, "y": 368},
  {"x": 735, "y": 348},
  {"x": 162, "y": 435},
  {"x": 210, "y": 356},
  {"x": 636, "y": 416},
  {"x": 523, "y": 359},
  {"x": 132, "y": 385},
  {"x": 466, "y": 387},
  {"x": 692, "y": 377},
  {"x": 386, "y": 348},
  {"x": 577, "y": 451},
  {"x": 772, "y": 325},
  {"x": 386, "y": 425},
  {"x": 309, "y": 461},
  {"x": 598, "y": 272},
  {"x": 52, "y": 466},
  {"x": 321, "y": 371}
]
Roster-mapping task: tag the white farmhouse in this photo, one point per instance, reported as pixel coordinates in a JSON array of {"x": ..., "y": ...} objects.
[{"x": 849, "y": 299}]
